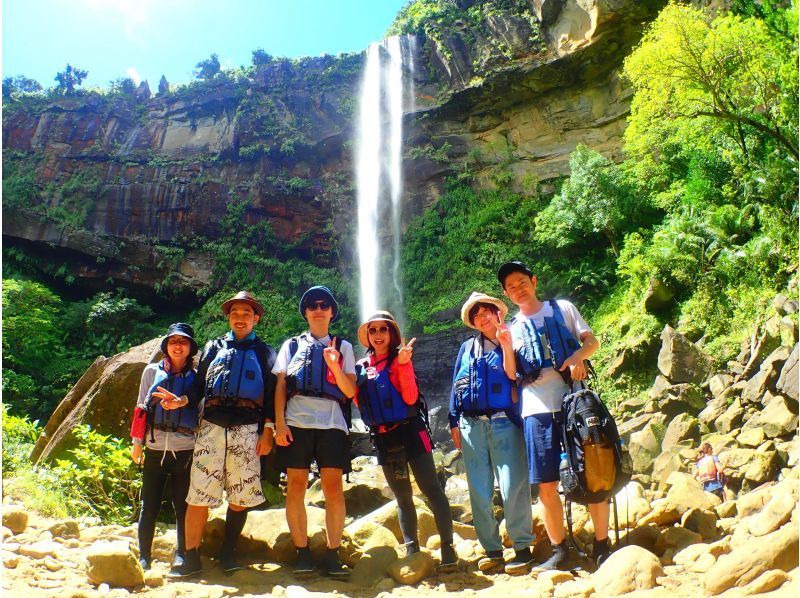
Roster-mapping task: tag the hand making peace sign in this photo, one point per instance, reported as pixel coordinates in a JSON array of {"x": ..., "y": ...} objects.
[
  {"x": 405, "y": 350},
  {"x": 331, "y": 354},
  {"x": 503, "y": 332}
]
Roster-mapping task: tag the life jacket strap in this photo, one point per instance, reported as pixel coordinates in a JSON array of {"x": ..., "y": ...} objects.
[
  {"x": 243, "y": 403},
  {"x": 176, "y": 429}
]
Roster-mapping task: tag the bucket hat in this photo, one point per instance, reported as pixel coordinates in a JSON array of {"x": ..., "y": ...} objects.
[
  {"x": 476, "y": 298},
  {"x": 180, "y": 329},
  {"x": 317, "y": 293},
  {"x": 378, "y": 316}
]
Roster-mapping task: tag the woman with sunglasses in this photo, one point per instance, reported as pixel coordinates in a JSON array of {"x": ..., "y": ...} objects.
[{"x": 388, "y": 401}]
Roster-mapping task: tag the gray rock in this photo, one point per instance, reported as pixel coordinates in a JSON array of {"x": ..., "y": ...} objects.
[
  {"x": 680, "y": 360},
  {"x": 713, "y": 409},
  {"x": 718, "y": 383},
  {"x": 682, "y": 428},
  {"x": 731, "y": 418},
  {"x": 644, "y": 446},
  {"x": 788, "y": 380},
  {"x": 779, "y": 418}
]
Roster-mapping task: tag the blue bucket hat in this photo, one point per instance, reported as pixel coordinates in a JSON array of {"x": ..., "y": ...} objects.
[
  {"x": 318, "y": 293},
  {"x": 180, "y": 329}
]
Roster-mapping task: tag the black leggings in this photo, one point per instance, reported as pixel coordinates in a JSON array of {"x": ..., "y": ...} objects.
[
  {"x": 154, "y": 476},
  {"x": 425, "y": 474}
]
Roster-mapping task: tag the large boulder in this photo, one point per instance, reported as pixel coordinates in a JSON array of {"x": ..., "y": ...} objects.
[
  {"x": 730, "y": 418},
  {"x": 778, "y": 418},
  {"x": 15, "y": 518},
  {"x": 701, "y": 521},
  {"x": 752, "y": 465},
  {"x": 412, "y": 569},
  {"x": 788, "y": 380},
  {"x": 712, "y": 411},
  {"x": 627, "y": 570},
  {"x": 774, "y": 514},
  {"x": 777, "y": 550},
  {"x": 644, "y": 446},
  {"x": 113, "y": 563},
  {"x": 457, "y": 491},
  {"x": 365, "y": 492},
  {"x": 682, "y": 429},
  {"x": 371, "y": 567},
  {"x": 680, "y": 360},
  {"x": 719, "y": 383},
  {"x": 103, "y": 397}
]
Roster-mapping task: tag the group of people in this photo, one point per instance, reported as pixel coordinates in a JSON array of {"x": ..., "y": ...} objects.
[{"x": 207, "y": 429}]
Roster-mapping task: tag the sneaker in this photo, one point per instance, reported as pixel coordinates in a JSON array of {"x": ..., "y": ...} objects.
[
  {"x": 449, "y": 559},
  {"x": 521, "y": 563},
  {"x": 191, "y": 565},
  {"x": 144, "y": 563},
  {"x": 304, "y": 566},
  {"x": 333, "y": 568},
  {"x": 230, "y": 563},
  {"x": 600, "y": 551},
  {"x": 411, "y": 548},
  {"x": 177, "y": 560},
  {"x": 492, "y": 561},
  {"x": 558, "y": 559}
]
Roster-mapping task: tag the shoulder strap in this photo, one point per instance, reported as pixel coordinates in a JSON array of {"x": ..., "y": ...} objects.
[
  {"x": 557, "y": 311},
  {"x": 294, "y": 343}
]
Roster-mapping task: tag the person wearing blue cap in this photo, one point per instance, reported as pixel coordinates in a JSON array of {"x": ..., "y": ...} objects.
[
  {"x": 316, "y": 379},
  {"x": 163, "y": 440}
]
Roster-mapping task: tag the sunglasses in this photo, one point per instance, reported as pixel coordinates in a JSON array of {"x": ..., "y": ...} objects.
[
  {"x": 378, "y": 329},
  {"x": 321, "y": 305}
]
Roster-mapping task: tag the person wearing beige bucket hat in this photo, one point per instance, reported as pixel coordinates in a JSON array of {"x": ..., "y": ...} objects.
[
  {"x": 485, "y": 425},
  {"x": 236, "y": 387},
  {"x": 389, "y": 402}
]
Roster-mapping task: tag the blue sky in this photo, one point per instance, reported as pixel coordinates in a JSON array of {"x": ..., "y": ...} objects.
[{"x": 147, "y": 38}]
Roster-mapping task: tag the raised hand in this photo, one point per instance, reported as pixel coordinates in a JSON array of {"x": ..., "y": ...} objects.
[
  {"x": 405, "y": 351},
  {"x": 503, "y": 332},
  {"x": 331, "y": 354},
  {"x": 169, "y": 400}
]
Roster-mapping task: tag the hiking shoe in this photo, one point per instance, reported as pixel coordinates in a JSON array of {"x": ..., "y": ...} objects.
[
  {"x": 144, "y": 563},
  {"x": 191, "y": 565},
  {"x": 177, "y": 560},
  {"x": 558, "y": 559},
  {"x": 600, "y": 551},
  {"x": 492, "y": 561},
  {"x": 411, "y": 548},
  {"x": 230, "y": 563},
  {"x": 449, "y": 559},
  {"x": 304, "y": 566},
  {"x": 333, "y": 568},
  {"x": 521, "y": 563}
]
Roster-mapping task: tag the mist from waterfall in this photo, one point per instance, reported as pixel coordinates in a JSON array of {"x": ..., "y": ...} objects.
[{"x": 379, "y": 173}]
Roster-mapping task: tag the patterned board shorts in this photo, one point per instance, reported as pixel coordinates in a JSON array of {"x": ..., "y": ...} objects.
[{"x": 226, "y": 459}]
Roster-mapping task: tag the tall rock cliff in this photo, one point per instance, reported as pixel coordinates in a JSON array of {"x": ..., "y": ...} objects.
[{"x": 130, "y": 189}]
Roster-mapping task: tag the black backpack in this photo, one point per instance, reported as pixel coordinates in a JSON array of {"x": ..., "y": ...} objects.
[{"x": 587, "y": 421}]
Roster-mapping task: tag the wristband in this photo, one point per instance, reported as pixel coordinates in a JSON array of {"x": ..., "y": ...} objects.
[{"x": 269, "y": 425}]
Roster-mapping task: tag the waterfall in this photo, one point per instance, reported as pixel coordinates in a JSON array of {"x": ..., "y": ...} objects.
[{"x": 379, "y": 173}]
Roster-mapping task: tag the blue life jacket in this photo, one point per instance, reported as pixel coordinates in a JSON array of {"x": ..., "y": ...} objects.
[
  {"x": 488, "y": 388},
  {"x": 550, "y": 345},
  {"x": 234, "y": 374},
  {"x": 181, "y": 420},
  {"x": 307, "y": 372},
  {"x": 379, "y": 402}
]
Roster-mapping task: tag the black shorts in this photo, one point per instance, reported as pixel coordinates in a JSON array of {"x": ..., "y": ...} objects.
[
  {"x": 329, "y": 448},
  {"x": 407, "y": 441}
]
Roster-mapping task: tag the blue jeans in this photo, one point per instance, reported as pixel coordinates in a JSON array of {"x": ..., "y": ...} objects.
[{"x": 495, "y": 448}]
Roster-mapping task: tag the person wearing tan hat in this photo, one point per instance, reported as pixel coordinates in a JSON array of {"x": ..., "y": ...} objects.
[
  {"x": 389, "y": 402},
  {"x": 485, "y": 425},
  {"x": 236, "y": 387}
]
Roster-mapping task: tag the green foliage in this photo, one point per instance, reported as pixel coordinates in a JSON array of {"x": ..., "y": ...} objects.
[
  {"x": 20, "y": 189},
  {"x": 15, "y": 87},
  {"x": 99, "y": 473},
  {"x": 122, "y": 86},
  {"x": 430, "y": 152},
  {"x": 69, "y": 79},
  {"x": 207, "y": 69},
  {"x": 598, "y": 198},
  {"x": 260, "y": 57},
  {"x": 19, "y": 436}
]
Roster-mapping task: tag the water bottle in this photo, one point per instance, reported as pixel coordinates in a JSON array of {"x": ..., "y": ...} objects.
[{"x": 568, "y": 481}]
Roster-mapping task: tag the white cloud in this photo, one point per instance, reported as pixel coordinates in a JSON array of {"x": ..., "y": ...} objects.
[{"x": 134, "y": 74}]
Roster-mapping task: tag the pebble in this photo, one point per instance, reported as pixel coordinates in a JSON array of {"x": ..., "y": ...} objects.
[
  {"x": 103, "y": 589},
  {"x": 10, "y": 560},
  {"x": 39, "y": 550},
  {"x": 153, "y": 579},
  {"x": 52, "y": 564}
]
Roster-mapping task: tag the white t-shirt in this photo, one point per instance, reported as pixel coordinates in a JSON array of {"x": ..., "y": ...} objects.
[
  {"x": 544, "y": 395},
  {"x": 314, "y": 412}
]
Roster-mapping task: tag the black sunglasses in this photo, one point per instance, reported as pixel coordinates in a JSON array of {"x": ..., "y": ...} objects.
[{"x": 323, "y": 305}]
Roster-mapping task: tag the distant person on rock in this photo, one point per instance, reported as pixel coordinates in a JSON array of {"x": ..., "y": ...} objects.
[
  {"x": 486, "y": 427},
  {"x": 235, "y": 390},
  {"x": 389, "y": 402},
  {"x": 556, "y": 333},
  {"x": 316, "y": 379},
  {"x": 709, "y": 471},
  {"x": 163, "y": 439}
]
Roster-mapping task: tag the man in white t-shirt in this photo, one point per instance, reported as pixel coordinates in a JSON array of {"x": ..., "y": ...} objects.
[
  {"x": 315, "y": 378},
  {"x": 541, "y": 402}
]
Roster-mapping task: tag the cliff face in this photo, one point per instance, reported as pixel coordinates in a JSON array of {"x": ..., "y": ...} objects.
[{"x": 130, "y": 188}]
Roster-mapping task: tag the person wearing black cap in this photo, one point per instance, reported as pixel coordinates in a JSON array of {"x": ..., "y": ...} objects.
[
  {"x": 315, "y": 380},
  {"x": 236, "y": 387},
  {"x": 388, "y": 400},
  {"x": 554, "y": 340},
  {"x": 163, "y": 440}
]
